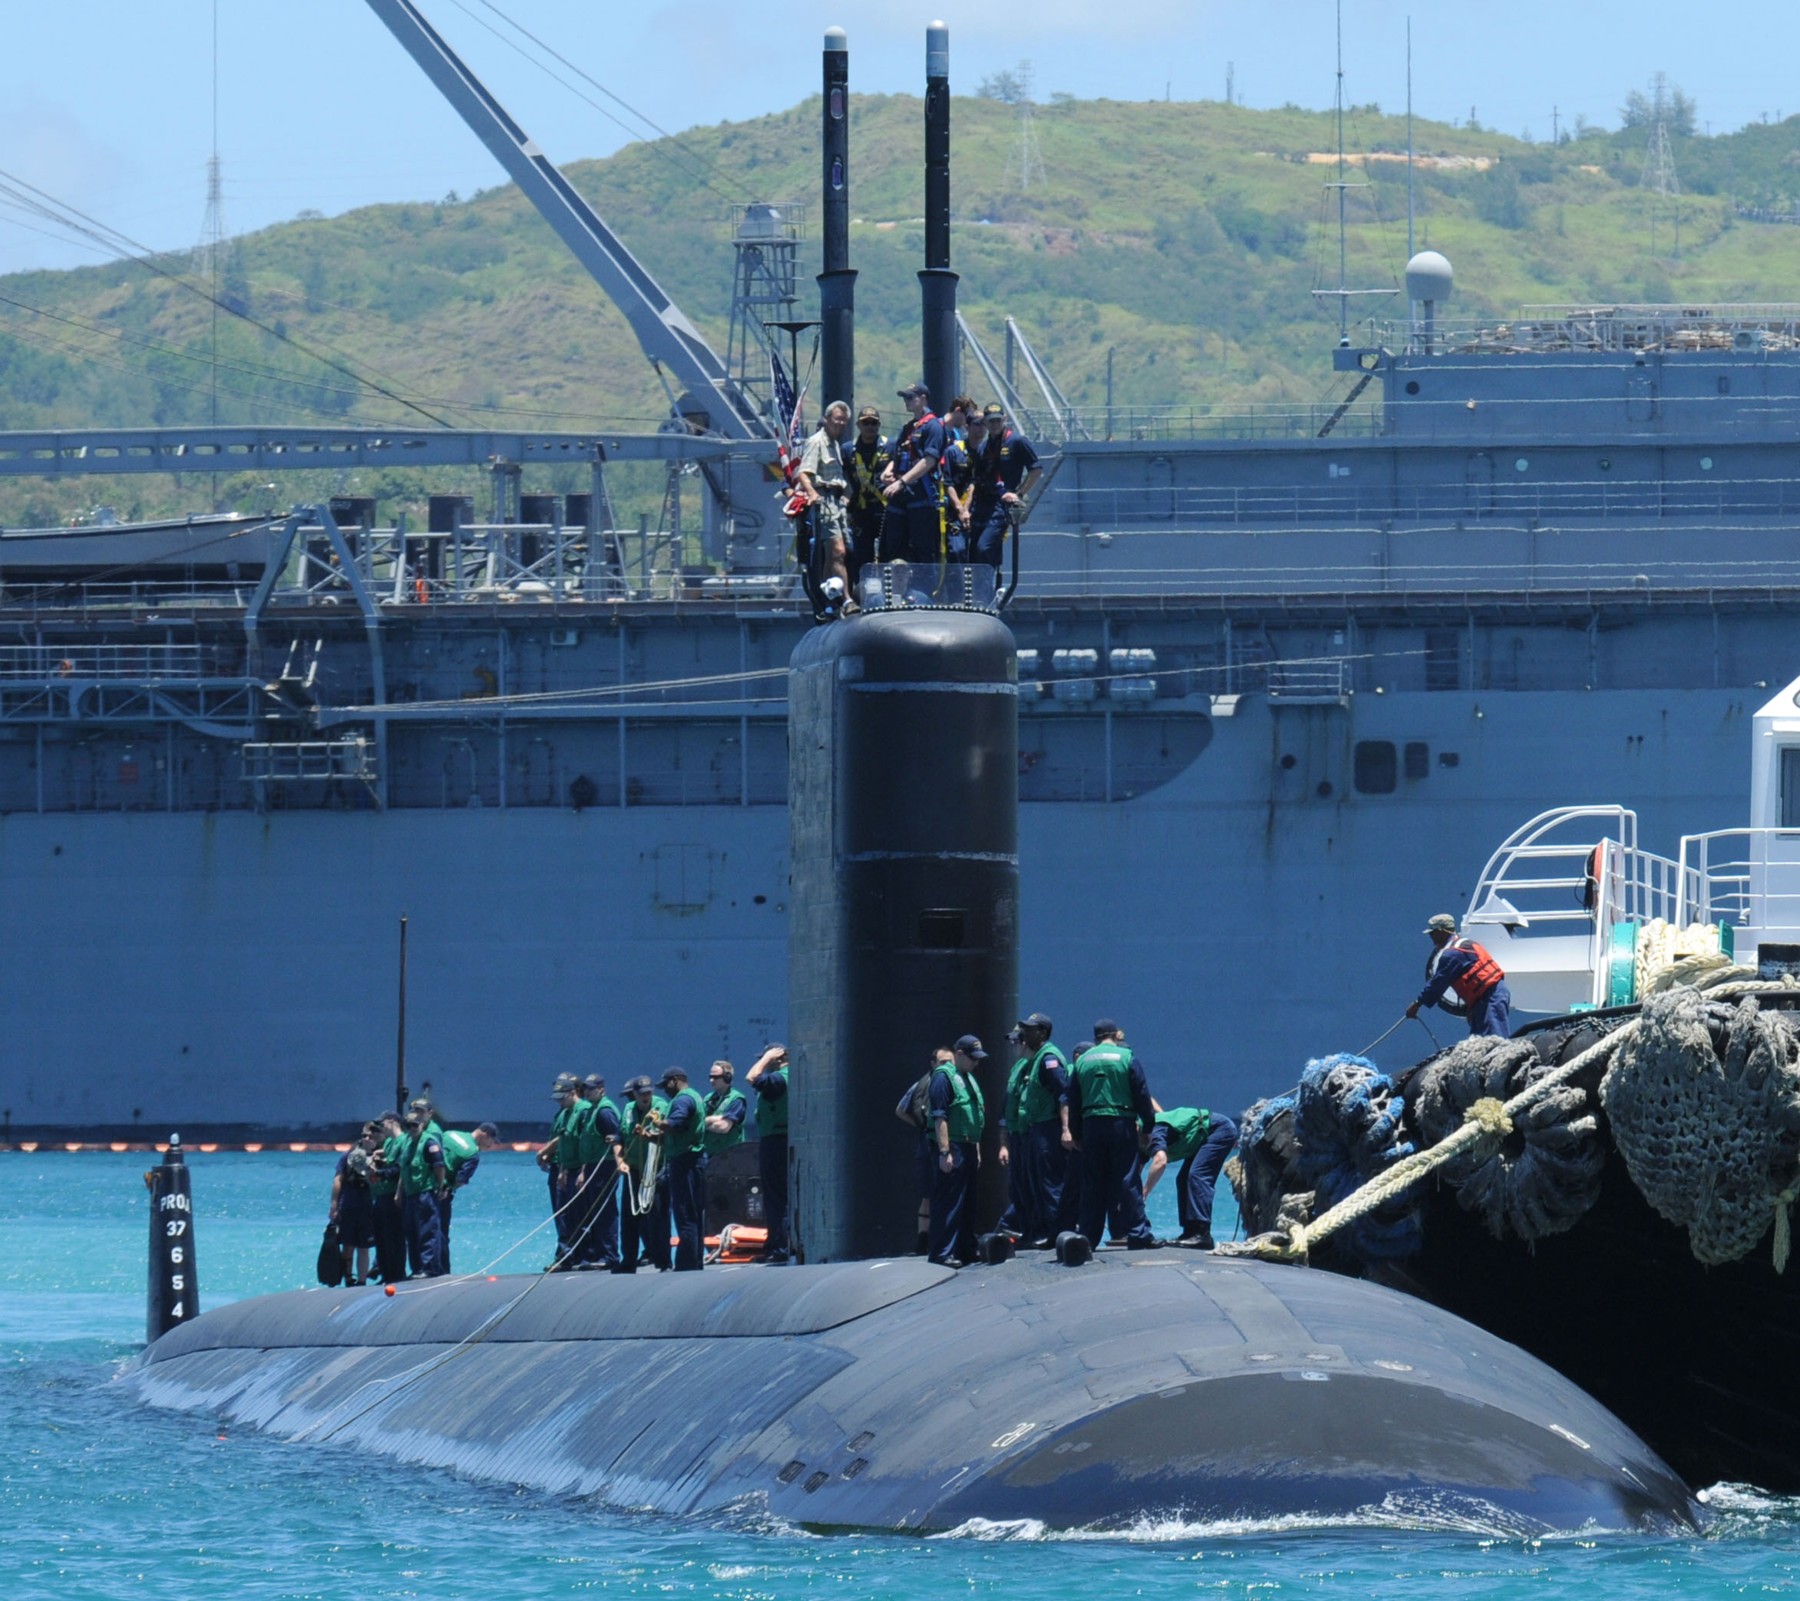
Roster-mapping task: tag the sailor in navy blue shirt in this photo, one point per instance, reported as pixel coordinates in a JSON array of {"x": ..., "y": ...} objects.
[
  {"x": 1004, "y": 469},
  {"x": 914, "y": 529},
  {"x": 1463, "y": 966}
]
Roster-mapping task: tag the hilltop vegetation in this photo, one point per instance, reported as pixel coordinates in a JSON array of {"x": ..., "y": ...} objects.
[{"x": 1186, "y": 238}]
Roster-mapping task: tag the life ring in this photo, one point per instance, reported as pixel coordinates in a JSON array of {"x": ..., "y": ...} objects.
[{"x": 1590, "y": 891}]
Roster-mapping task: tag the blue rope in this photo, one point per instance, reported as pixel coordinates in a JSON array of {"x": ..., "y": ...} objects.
[{"x": 1349, "y": 1125}]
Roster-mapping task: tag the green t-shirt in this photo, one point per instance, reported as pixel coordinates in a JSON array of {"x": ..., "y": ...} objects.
[
  {"x": 1104, "y": 1075},
  {"x": 592, "y": 1143},
  {"x": 387, "y": 1180},
  {"x": 568, "y": 1129},
  {"x": 636, "y": 1147},
  {"x": 717, "y": 1105},
  {"x": 1188, "y": 1127},
  {"x": 772, "y": 1114},
  {"x": 967, "y": 1111},
  {"x": 689, "y": 1137}
]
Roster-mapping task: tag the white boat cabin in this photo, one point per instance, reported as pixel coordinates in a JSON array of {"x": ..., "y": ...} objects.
[{"x": 1580, "y": 915}]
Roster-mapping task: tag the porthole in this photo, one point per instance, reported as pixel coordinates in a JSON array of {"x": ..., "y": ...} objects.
[
  {"x": 1706, "y": 464},
  {"x": 1521, "y": 465},
  {"x": 1412, "y": 386}
]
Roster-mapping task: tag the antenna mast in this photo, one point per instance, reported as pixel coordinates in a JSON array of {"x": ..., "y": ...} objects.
[
  {"x": 1411, "y": 208},
  {"x": 1342, "y": 185},
  {"x": 1343, "y": 242}
]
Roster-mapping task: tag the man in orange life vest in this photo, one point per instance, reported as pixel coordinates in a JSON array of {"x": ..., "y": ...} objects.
[{"x": 1463, "y": 966}]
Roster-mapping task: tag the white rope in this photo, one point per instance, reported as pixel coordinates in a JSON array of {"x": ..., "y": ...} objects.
[{"x": 643, "y": 1191}]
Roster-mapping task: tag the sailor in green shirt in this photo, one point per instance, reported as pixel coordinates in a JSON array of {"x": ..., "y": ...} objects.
[
  {"x": 768, "y": 1077},
  {"x": 423, "y": 1183},
  {"x": 462, "y": 1155},
  {"x": 1200, "y": 1141},
  {"x": 597, "y": 1206},
  {"x": 1037, "y": 1117},
  {"x": 643, "y": 1212},
  {"x": 550, "y": 1158},
  {"x": 958, "y": 1114},
  {"x": 726, "y": 1111},
  {"x": 684, "y": 1153},
  {"x": 384, "y": 1184},
  {"x": 1109, "y": 1096}
]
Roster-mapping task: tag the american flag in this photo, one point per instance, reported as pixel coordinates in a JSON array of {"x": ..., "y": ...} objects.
[{"x": 787, "y": 405}]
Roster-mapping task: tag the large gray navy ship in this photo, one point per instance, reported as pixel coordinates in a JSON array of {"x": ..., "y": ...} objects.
[{"x": 1280, "y": 679}]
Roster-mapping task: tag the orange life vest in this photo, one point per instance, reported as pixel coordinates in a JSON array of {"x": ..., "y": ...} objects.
[{"x": 1479, "y": 979}]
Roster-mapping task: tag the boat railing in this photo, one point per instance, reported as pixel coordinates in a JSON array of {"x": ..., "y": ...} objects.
[
  {"x": 1748, "y": 877},
  {"x": 1580, "y": 865},
  {"x": 1549, "y": 899}
]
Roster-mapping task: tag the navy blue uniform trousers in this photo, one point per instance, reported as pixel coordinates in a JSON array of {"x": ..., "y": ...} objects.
[
  {"x": 1109, "y": 1154},
  {"x": 425, "y": 1241},
  {"x": 390, "y": 1241},
  {"x": 771, "y": 1167},
  {"x": 599, "y": 1243},
  {"x": 953, "y": 1208},
  {"x": 1020, "y": 1216},
  {"x": 646, "y": 1235},
  {"x": 687, "y": 1202},
  {"x": 1199, "y": 1176}
]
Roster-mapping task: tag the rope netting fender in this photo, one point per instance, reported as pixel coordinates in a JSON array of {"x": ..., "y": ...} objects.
[
  {"x": 1705, "y": 1112},
  {"x": 1704, "y": 1103}
]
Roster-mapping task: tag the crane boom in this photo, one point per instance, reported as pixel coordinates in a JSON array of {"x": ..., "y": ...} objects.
[{"x": 667, "y": 337}]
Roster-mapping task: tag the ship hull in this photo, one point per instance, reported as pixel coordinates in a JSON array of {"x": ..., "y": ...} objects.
[{"x": 235, "y": 973}]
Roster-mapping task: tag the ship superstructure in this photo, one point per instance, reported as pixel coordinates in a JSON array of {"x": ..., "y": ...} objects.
[
  {"x": 1278, "y": 672},
  {"x": 1275, "y": 687}
]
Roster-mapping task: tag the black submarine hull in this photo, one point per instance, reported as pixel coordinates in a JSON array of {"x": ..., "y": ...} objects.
[{"x": 901, "y": 1396}]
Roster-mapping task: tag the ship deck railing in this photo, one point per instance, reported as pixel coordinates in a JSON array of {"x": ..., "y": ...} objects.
[
  {"x": 1141, "y": 424},
  {"x": 138, "y": 664},
  {"x": 1605, "y": 329},
  {"x": 1748, "y": 877},
  {"x": 1510, "y": 493}
]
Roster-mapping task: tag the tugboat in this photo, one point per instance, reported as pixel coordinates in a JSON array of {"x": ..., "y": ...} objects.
[{"x": 1610, "y": 1189}]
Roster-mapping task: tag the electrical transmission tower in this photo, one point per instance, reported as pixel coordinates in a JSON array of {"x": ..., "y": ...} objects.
[
  {"x": 1028, "y": 162},
  {"x": 1659, "y": 179}
]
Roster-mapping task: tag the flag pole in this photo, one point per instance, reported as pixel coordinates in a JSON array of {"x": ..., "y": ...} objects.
[{"x": 400, "y": 1043}]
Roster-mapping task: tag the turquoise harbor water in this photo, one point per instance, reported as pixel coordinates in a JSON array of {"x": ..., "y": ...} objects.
[{"x": 102, "y": 1498}]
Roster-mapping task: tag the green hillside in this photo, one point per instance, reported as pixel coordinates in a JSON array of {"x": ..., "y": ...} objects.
[{"x": 1185, "y": 238}]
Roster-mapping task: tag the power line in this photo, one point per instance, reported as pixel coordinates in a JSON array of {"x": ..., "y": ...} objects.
[
  {"x": 60, "y": 212},
  {"x": 699, "y": 167}
]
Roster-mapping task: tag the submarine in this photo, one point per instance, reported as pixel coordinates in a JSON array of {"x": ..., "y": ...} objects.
[
  {"x": 865, "y": 1389},
  {"x": 896, "y": 1395}
]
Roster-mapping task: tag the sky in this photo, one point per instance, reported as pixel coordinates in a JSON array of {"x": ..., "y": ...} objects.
[{"x": 110, "y": 105}]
